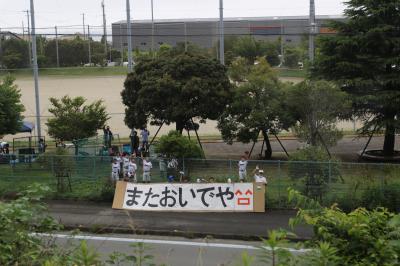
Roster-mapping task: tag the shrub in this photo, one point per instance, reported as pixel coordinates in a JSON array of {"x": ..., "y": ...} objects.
[
  {"x": 386, "y": 195},
  {"x": 18, "y": 220},
  {"x": 360, "y": 237},
  {"x": 174, "y": 145},
  {"x": 315, "y": 169},
  {"x": 61, "y": 165}
]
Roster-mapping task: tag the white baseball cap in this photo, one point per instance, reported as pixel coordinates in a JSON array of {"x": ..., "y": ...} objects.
[{"x": 261, "y": 171}]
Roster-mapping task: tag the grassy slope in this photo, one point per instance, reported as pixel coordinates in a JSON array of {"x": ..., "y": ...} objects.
[{"x": 113, "y": 71}]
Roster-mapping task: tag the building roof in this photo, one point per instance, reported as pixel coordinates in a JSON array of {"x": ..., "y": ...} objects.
[
  {"x": 9, "y": 33},
  {"x": 233, "y": 19}
]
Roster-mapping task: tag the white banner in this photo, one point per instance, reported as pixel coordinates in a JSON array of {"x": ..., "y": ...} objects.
[{"x": 189, "y": 197}]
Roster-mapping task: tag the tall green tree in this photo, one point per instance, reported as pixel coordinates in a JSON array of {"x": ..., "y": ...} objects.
[
  {"x": 11, "y": 107},
  {"x": 175, "y": 90},
  {"x": 258, "y": 106},
  {"x": 74, "y": 120},
  {"x": 251, "y": 49},
  {"x": 316, "y": 106},
  {"x": 14, "y": 53},
  {"x": 363, "y": 57}
]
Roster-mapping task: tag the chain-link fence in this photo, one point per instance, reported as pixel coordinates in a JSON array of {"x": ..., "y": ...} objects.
[{"x": 348, "y": 184}]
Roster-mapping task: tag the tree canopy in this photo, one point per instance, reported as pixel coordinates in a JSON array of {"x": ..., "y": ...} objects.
[
  {"x": 175, "y": 90},
  {"x": 11, "y": 107},
  {"x": 258, "y": 106},
  {"x": 14, "y": 53},
  {"x": 74, "y": 120},
  {"x": 363, "y": 57},
  {"x": 316, "y": 106}
]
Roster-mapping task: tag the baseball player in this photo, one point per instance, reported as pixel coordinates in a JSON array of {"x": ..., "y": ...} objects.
[
  {"x": 146, "y": 170},
  {"x": 115, "y": 171},
  {"x": 132, "y": 167},
  {"x": 242, "y": 169}
]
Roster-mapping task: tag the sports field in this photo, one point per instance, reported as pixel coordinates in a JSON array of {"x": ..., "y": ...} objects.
[{"x": 107, "y": 88}]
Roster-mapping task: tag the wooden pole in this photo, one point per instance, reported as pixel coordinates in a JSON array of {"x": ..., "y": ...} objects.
[
  {"x": 197, "y": 136},
  {"x": 254, "y": 144},
  {"x": 262, "y": 147},
  {"x": 283, "y": 147},
  {"x": 151, "y": 142},
  {"x": 369, "y": 140},
  {"x": 323, "y": 143}
]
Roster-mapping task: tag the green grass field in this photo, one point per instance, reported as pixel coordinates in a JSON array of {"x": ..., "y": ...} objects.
[
  {"x": 113, "y": 71},
  {"x": 70, "y": 71}
]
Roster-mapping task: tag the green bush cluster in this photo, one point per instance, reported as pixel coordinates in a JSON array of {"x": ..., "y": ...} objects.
[
  {"x": 174, "y": 145},
  {"x": 315, "y": 169}
]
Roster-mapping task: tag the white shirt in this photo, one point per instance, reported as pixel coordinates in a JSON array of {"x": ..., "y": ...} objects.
[
  {"x": 115, "y": 167},
  {"x": 242, "y": 166},
  {"x": 132, "y": 167},
  {"x": 147, "y": 166},
  {"x": 125, "y": 161},
  {"x": 173, "y": 163},
  {"x": 260, "y": 179}
]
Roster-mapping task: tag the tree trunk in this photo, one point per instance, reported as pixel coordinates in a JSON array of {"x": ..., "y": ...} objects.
[
  {"x": 390, "y": 138},
  {"x": 179, "y": 126},
  {"x": 268, "y": 148}
]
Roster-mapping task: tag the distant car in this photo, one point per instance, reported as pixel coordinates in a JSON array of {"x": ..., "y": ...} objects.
[
  {"x": 111, "y": 64},
  {"x": 125, "y": 64},
  {"x": 88, "y": 65}
]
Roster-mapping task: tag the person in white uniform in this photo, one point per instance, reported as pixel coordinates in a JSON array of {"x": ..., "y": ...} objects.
[
  {"x": 125, "y": 165},
  {"x": 259, "y": 177},
  {"x": 146, "y": 170},
  {"x": 132, "y": 167},
  {"x": 115, "y": 171},
  {"x": 242, "y": 169}
]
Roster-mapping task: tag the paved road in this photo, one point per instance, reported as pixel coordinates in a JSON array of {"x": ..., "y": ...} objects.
[
  {"x": 346, "y": 149},
  {"x": 170, "y": 250},
  {"x": 98, "y": 217}
]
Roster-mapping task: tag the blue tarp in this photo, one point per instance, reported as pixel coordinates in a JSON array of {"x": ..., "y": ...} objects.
[{"x": 27, "y": 127}]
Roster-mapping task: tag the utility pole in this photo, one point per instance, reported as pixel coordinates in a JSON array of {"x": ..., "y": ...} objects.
[
  {"x": 282, "y": 45},
  {"x": 104, "y": 29},
  {"x": 90, "y": 52},
  {"x": 121, "y": 39},
  {"x": 129, "y": 33},
  {"x": 1, "y": 39},
  {"x": 311, "y": 48},
  {"x": 83, "y": 25},
  {"x": 185, "y": 32},
  {"x": 29, "y": 39},
  {"x": 23, "y": 30},
  {"x": 152, "y": 28},
  {"x": 221, "y": 33},
  {"x": 35, "y": 72},
  {"x": 58, "y": 59}
]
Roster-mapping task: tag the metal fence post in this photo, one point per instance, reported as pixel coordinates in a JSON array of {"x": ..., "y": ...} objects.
[
  {"x": 382, "y": 178},
  {"x": 94, "y": 167},
  {"x": 52, "y": 165},
  {"x": 230, "y": 169},
  {"x": 279, "y": 185},
  {"x": 183, "y": 165},
  {"x": 330, "y": 174}
]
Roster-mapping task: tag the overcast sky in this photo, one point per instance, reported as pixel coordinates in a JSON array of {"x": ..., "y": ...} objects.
[{"x": 69, "y": 12}]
